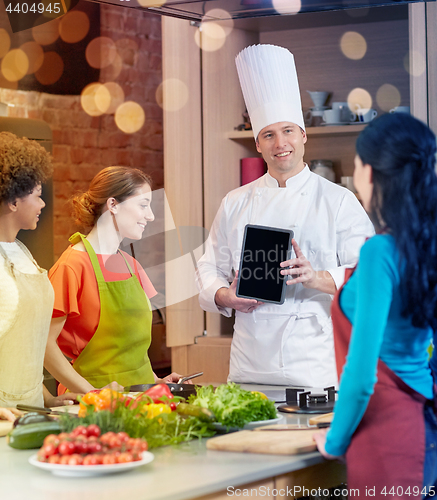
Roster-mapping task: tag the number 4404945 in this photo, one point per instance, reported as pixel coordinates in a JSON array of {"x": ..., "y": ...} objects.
[{"x": 40, "y": 8}]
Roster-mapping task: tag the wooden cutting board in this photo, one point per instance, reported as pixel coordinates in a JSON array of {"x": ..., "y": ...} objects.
[
  {"x": 321, "y": 419},
  {"x": 5, "y": 427},
  {"x": 269, "y": 442}
]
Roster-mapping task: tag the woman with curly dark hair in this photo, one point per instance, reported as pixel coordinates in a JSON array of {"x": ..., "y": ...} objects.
[
  {"x": 26, "y": 296},
  {"x": 385, "y": 318}
]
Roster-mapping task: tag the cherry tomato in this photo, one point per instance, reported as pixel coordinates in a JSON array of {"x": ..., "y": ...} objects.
[
  {"x": 64, "y": 459},
  {"x": 75, "y": 459},
  {"x": 125, "y": 457},
  {"x": 51, "y": 438},
  {"x": 94, "y": 447},
  {"x": 54, "y": 459},
  {"x": 48, "y": 449},
  {"x": 122, "y": 436},
  {"x": 90, "y": 460},
  {"x": 172, "y": 406},
  {"x": 114, "y": 442},
  {"x": 80, "y": 430},
  {"x": 106, "y": 437},
  {"x": 81, "y": 446},
  {"x": 66, "y": 448},
  {"x": 108, "y": 459},
  {"x": 62, "y": 436},
  {"x": 93, "y": 430}
]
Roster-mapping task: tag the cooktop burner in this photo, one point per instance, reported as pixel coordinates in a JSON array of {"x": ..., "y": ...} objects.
[{"x": 299, "y": 401}]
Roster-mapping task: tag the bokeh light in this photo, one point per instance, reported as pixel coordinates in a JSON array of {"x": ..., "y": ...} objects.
[
  {"x": 359, "y": 98},
  {"x": 287, "y": 6},
  {"x": 222, "y": 18},
  {"x": 172, "y": 94},
  {"x": 414, "y": 63},
  {"x": 210, "y": 36},
  {"x": 101, "y": 52},
  {"x": 14, "y": 65},
  {"x": 5, "y": 42},
  {"x": 353, "y": 45},
  {"x": 47, "y": 33},
  {"x": 129, "y": 117},
  {"x": 35, "y": 56},
  {"x": 51, "y": 69},
  {"x": 151, "y": 3},
  {"x": 116, "y": 95},
  {"x": 388, "y": 97},
  {"x": 127, "y": 49},
  {"x": 112, "y": 71},
  {"x": 88, "y": 99},
  {"x": 74, "y": 26},
  {"x": 6, "y": 84}
]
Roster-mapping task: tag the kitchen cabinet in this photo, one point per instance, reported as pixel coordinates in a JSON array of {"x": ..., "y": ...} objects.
[{"x": 202, "y": 151}]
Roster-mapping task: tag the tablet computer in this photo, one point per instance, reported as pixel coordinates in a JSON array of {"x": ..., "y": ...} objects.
[{"x": 259, "y": 277}]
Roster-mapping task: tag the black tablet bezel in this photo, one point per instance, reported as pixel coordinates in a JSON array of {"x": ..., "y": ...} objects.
[{"x": 244, "y": 249}]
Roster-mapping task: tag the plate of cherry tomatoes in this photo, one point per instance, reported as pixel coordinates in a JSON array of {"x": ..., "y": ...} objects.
[{"x": 85, "y": 452}]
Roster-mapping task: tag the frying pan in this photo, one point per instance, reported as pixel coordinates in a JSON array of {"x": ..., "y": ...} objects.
[{"x": 181, "y": 389}]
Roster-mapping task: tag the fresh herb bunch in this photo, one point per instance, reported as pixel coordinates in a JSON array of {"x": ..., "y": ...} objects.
[
  {"x": 165, "y": 429},
  {"x": 233, "y": 406}
]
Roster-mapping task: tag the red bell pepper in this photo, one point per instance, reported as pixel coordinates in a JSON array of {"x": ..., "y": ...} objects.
[{"x": 159, "y": 393}]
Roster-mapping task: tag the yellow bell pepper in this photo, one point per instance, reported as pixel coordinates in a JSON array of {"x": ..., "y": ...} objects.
[
  {"x": 261, "y": 394},
  {"x": 154, "y": 409}
]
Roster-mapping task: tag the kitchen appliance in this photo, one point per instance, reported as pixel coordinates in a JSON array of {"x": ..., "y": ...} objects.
[
  {"x": 182, "y": 390},
  {"x": 300, "y": 400}
]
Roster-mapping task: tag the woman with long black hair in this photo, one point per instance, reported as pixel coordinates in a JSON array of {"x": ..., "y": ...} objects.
[{"x": 385, "y": 318}]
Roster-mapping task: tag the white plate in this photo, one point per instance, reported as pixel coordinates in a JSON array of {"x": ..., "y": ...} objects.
[
  {"x": 90, "y": 470},
  {"x": 248, "y": 426}
]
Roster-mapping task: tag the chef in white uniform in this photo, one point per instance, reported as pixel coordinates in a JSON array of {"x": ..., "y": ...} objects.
[{"x": 292, "y": 343}]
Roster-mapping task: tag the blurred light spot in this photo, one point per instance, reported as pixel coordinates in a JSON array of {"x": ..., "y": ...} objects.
[
  {"x": 116, "y": 94},
  {"x": 88, "y": 99},
  {"x": 287, "y": 6},
  {"x": 101, "y": 52},
  {"x": 353, "y": 45},
  {"x": 6, "y": 84},
  {"x": 151, "y": 3},
  {"x": 414, "y": 63},
  {"x": 15, "y": 65},
  {"x": 51, "y": 69},
  {"x": 112, "y": 71},
  {"x": 74, "y": 26},
  {"x": 5, "y": 42},
  {"x": 388, "y": 97},
  {"x": 129, "y": 117},
  {"x": 222, "y": 18},
  {"x": 210, "y": 36},
  {"x": 102, "y": 99},
  {"x": 172, "y": 94},
  {"x": 47, "y": 33},
  {"x": 359, "y": 99},
  {"x": 127, "y": 50},
  {"x": 35, "y": 55}
]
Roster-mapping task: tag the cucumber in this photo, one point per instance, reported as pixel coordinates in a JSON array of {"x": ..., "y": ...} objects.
[
  {"x": 24, "y": 437},
  {"x": 195, "y": 411}
]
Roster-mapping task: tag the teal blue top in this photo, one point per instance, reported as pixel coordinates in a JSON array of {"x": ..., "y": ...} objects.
[{"x": 371, "y": 301}]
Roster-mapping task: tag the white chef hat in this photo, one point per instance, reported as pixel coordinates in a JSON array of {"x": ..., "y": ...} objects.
[{"x": 270, "y": 88}]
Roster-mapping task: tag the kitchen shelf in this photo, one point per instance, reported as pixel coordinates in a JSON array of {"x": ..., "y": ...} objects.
[{"x": 311, "y": 131}]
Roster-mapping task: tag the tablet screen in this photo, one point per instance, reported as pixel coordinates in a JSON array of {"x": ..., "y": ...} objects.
[{"x": 264, "y": 248}]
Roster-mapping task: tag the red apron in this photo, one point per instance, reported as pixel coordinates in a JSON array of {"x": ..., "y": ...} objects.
[{"x": 387, "y": 450}]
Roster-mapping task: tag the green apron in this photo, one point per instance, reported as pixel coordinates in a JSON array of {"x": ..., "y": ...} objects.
[{"x": 118, "y": 349}]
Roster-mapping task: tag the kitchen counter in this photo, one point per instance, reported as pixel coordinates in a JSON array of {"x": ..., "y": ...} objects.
[{"x": 186, "y": 471}]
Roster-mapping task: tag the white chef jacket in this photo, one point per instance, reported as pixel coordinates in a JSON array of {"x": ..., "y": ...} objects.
[{"x": 292, "y": 343}]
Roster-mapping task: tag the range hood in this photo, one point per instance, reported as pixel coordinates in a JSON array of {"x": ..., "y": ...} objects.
[{"x": 216, "y": 10}]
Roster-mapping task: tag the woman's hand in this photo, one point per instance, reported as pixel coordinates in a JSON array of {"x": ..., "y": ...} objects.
[
  {"x": 171, "y": 379},
  {"x": 320, "y": 439},
  {"x": 10, "y": 414},
  {"x": 67, "y": 399}
]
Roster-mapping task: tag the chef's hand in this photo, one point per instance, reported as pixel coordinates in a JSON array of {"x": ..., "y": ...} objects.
[
  {"x": 302, "y": 271},
  {"x": 226, "y": 297},
  {"x": 320, "y": 439},
  {"x": 10, "y": 414}
]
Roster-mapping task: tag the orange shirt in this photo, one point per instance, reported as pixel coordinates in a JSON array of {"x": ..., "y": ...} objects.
[{"x": 77, "y": 293}]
